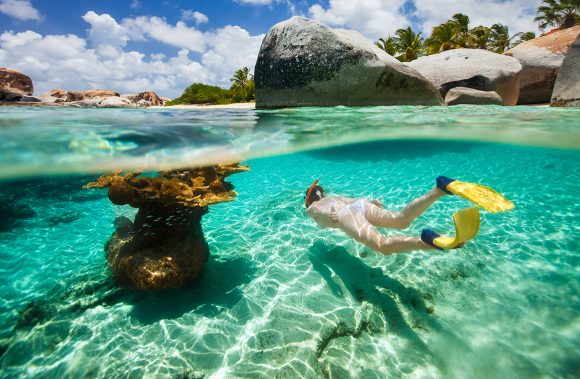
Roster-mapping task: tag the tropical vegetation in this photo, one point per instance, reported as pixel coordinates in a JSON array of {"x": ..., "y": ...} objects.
[
  {"x": 406, "y": 45},
  {"x": 242, "y": 90},
  {"x": 558, "y": 13}
]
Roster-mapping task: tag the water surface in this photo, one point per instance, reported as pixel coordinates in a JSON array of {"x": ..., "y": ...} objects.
[{"x": 280, "y": 297}]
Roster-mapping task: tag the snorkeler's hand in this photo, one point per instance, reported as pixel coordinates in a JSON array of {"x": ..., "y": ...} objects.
[
  {"x": 333, "y": 214},
  {"x": 378, "y": 203}
]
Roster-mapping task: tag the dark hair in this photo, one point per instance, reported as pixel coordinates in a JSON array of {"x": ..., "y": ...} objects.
[{"x": 316, "y": 194}]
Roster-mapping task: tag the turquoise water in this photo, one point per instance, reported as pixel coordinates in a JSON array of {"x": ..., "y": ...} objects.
[{"x": 280, "y": 297}]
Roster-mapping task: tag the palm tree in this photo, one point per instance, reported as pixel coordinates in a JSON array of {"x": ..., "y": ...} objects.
[
  {"x": 409, "y": 43},
  {"x": 241, "y": 81},
  {"x": 461, "y": 24},
  {"x": 443, "y": 37},
  {"x": 387, "y": 44},
  {"x": 499, "y": 38},
  {"x": 559, "y": 13},
  {"x": 480, "y": 37}
]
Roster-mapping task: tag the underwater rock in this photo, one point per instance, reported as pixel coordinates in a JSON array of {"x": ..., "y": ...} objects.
[
  {"x": 464, "y": 95},
  {"x": 567, "y": 87},
  {"x": 305, "y": 63},
  {"x": 541, "y": 59},
  {"x": 164, "y": 246},
  {"x": 472, "y": 68},
  {"x": 13, "y": 214}
]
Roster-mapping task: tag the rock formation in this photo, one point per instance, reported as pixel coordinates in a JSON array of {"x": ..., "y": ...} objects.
[
  {"x": 472, "y": 68},
  {"x": 305, "y": 63},
  {"x": 464, "y": 95},
  {"x": 567, "y": 88},
  {"x": 541, "y": 59},
  {"x": 14, "y": 85},
  {"x": 164, "y": 246},
  {"x": 101, "y": 99},
  {"x": 89, "y": 94},
  {"x": 58, "y": 95},
  {"x": 150, "y": 97}
]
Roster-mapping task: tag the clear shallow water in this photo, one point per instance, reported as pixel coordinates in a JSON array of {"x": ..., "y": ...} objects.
[
  {"x": 279, "y": 297},
  {"x": 53, "y": 141}
]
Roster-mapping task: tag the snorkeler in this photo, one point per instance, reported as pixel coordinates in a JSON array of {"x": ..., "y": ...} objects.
[{"x": 359, "y": 218}]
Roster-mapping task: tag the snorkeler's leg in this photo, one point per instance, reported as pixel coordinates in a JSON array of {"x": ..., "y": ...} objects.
[
  {"x": 356, "y": 225},
  {"x": 389, "y": 219}
]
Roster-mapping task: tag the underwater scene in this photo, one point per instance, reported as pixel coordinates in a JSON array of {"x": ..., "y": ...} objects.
[{"x": 279, "y": 297}]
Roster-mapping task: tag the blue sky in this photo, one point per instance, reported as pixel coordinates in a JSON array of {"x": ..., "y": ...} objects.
[{"x": 138, "y": 45}]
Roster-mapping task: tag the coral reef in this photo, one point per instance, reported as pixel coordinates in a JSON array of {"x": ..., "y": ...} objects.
[{"x": 164, "y": 246}]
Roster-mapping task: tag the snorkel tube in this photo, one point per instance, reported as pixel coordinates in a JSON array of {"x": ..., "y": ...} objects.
[{"x": 309, "y": 192}]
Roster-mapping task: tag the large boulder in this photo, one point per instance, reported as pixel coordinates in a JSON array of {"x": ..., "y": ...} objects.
[
  {"x": 65, "y": 96},
  {"x": 305, "y": 63},
  {"x": 567, "y": 88},
  {"x": 14, "y": 85},
  {"x": 149, "y": 96},
  {"x": 116, "y": 102},
  {"x": 464, "y": 95},
  {"x": 541, "y": 59},
  {"x": 89, "y": 94},
  {"x": 472, "y": 68}
]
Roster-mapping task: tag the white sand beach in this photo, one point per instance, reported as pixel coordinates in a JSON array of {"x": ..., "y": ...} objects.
[{"x": 217, "y": 106}]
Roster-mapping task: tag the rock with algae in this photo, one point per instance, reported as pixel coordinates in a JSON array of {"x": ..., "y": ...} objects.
[{"x": 164, "y": 246}]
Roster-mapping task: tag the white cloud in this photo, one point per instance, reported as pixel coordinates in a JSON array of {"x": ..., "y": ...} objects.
[
  {"x": 180, "y": 35},
  {"x": 374, "y": 18},
  {"x": 518, "y": 15},
  {"x": 378, "y": 18},
  {"x": 197, "y": 17},
  {"x": 106, "y": 34},
  {"x": 19, "y": 9},
  {"x": 135, "y": 4},
  {"x": 101, "y": 61}
]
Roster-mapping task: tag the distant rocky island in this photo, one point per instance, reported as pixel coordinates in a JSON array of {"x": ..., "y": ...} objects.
[
  {"x": 17, "y": 88},
  {"x": 303, "y": 62}
]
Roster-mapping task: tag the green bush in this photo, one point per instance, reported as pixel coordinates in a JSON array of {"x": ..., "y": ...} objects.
[{"x": 199, "y": 93}]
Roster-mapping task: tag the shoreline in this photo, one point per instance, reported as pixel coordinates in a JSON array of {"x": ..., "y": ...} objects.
[{"x": 208, "y": 106}]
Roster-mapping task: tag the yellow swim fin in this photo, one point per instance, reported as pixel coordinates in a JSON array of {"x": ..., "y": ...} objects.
[
  {"x": 466, "y": 227},
  {"x": 481, "y": 195}
]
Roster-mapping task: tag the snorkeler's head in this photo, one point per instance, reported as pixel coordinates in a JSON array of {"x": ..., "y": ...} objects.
[{"x": 314, "y": 193}]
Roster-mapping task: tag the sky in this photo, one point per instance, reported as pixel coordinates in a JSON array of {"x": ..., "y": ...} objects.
[{"x": 164, "y": 46}]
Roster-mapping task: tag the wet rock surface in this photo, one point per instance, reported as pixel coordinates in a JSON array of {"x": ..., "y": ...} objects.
[
  {"x": 473, "y": 68},
  {"x": 305, "y": 63},
  {"x": 567, "y": 88},
  {"x": 541, "y": 59}
]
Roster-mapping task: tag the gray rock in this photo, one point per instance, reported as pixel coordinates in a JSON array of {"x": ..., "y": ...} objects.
[
  {"x": 30, "y": 99},
  {"x": 9, "y": 94},
  {"x": 305, "y": 63},
  {"x": 115, "y": 102},
  {"x": 143, "y": 104},
  {"x": 567, "y": 88},
  {"x": 472, "y": 68},
  {"x": 464, "y": 95},
  {"x": 541, "y": 59}
]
